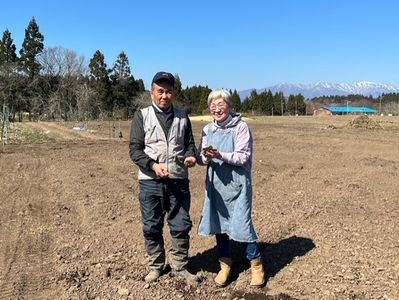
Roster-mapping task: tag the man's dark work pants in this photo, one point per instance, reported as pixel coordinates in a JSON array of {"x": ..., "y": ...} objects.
[{"x": 170, "y": 198}]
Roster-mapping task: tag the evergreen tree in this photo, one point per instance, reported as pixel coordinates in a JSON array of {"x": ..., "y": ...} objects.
[
  {"x": 98, "y": 67},
  {"x": 264, "y": 103},
  {"x": 296, "y": 105},
  {"x": 254, "y": 102},
  {"x": 140, "y": 87},
  {"x": 9, "y": 79},
  {"x": 268, "y": 105},
  {"x": 7, "y": 49},
  {"x": 123, "y": 84},
  {"x": 279, "y": 105},
  {"x": 195, "y": 99},
  {"x": 245, "y": 105},
  {"x": 203, "y": 100},
  {"x": 100, "y": 81},
  {"x": 179, "y": 98},
  {"x": 178, "y": 84},
  {"x": 121, "y": 68},
  {"x": 235, "y": 101},
  {"x": 291, "y": 105},
  {"x": 32, "y": 46},
  {"x": 300, "y": 104}
]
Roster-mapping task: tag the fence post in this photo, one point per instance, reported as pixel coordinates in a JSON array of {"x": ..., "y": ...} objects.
[{"x": 4, "y": 124}]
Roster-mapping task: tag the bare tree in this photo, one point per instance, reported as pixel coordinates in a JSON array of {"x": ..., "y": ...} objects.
[
  {"x": 61, "y": 62},
  {"x": 64, "y": 71},
  {"x": 142, "y": 99},
  {"x": 86, "y": 107},
  {"x": 391, "y": 108}
]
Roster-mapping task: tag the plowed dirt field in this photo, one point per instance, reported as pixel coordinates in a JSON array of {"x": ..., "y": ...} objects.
[{"x": 326, "y": 209}]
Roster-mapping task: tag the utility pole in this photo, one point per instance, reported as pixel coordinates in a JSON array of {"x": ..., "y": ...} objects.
[{"x": 347, "y": 108}]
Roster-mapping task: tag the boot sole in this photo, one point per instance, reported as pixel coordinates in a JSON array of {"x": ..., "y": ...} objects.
[
  {"x": 221, "y": 285},
  {"x": 258, "y": 285}
]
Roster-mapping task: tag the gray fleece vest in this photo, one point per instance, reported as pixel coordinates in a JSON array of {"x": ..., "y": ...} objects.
[{"x": 165, "y": 150}]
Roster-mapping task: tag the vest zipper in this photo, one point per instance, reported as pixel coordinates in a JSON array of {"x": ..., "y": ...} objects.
[{"x": 167, "y": 145}]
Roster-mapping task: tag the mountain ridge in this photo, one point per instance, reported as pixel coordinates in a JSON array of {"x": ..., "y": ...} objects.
[{"x": 309, "y": 91}]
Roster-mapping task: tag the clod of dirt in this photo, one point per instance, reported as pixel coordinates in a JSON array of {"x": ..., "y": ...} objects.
[
  {"x": 365, "y": 122},
  {"x": 330, "y": 126}
]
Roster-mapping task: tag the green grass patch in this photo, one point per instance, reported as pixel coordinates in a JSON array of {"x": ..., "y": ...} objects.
[{"x": 33, "y": 137}]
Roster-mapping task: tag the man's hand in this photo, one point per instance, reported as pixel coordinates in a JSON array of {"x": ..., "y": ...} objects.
[
  {"x": 190, "y": 161},
  {"x": 160, "y": 170}
]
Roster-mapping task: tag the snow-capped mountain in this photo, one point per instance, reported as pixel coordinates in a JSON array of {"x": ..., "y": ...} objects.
[{"x": 309, "y": 91}]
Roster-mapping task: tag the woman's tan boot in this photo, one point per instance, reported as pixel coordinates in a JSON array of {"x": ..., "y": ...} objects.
[
  {"x": 258, "y": 273},
  {"x": 225, "y": 270}
]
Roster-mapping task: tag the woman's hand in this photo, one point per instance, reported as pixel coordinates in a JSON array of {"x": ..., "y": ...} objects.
[{"x": 212, "y": 153}]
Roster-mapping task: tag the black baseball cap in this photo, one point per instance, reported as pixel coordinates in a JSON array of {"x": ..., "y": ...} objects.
[{"x": 164, "y": 76}]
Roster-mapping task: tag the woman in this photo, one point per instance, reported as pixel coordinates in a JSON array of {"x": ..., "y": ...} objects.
[{"x": 226, "y": 148}]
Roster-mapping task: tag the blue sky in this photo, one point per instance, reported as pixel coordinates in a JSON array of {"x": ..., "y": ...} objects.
[{"x": 240, "y": 44}]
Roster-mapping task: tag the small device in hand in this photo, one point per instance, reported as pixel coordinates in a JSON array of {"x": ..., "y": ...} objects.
[{"x": 208, "y": 148}]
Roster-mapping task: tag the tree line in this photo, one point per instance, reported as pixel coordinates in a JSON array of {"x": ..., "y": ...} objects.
[
  {"x": 386, "y": 103},
  {"x": 54, "y": 83},
  {"x": 267, "y": 103}
]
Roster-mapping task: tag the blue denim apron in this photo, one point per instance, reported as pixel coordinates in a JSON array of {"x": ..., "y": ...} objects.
[{"x": 228, "y": 197}]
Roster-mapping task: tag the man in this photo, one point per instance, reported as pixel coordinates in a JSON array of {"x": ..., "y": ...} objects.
[{"x": 162, "y": 145}]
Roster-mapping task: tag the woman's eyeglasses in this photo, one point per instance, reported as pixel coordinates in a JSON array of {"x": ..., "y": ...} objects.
[{"x": 216, "y": 108}]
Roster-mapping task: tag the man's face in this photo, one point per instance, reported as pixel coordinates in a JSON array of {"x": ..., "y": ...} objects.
[{"x": 162, "y": 94}]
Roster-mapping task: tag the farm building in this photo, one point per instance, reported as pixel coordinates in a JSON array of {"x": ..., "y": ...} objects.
[{"x": 346, "y": 110}]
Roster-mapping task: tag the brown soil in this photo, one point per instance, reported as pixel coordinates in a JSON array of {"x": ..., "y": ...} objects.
[
  {"x": 363, "y": 121},
  {"x": 325, "y": 207},
  {"x": 321, "y": 113}
]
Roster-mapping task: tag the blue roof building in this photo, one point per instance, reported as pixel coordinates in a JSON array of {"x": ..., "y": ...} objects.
[{"x": 345, "y": 110}]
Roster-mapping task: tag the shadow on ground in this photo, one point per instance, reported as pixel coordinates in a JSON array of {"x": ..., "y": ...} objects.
[
  {"x": 275, "y": 257},
  {"x": 259, "y": 296}
]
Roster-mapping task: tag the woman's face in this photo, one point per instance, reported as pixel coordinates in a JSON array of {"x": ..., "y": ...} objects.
[{"x": 219, "y": 110}]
